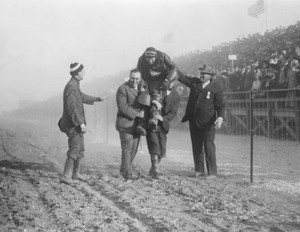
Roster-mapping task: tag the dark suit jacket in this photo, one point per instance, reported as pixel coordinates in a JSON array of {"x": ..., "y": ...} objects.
[
  {"x": 73, "y": 111},
  {"x": 169, "y": 110},
  {"x": 128, "y": 108},
  {"x": 203, "y": 104}
]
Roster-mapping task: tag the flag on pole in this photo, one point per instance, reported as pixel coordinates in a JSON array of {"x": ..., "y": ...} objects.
[{"x": 257, "y": 8}]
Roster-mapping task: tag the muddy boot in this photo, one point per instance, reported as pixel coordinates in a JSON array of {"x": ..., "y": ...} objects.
[
  {"x": 152, "y": 124},
  {"x": 66, "y": 178},
  {"x": 151, "y": 171},
  {"x": 140, "y": 127},
  {"x": 141, "y": 131},
  {"x": 76, "y": 174},
  {"x": 154, "y": 162}
]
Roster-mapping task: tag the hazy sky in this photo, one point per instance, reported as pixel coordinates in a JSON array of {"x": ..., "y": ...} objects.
[{"x": 40, "y": 38}]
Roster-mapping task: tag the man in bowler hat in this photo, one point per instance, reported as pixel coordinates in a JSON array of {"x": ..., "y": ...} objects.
[{"x": 205, "y": 113}]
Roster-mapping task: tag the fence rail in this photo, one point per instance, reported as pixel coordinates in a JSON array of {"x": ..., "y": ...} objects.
[{"x": 273, "y": 117}]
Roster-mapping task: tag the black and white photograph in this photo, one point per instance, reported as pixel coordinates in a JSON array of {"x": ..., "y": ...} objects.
[{"x": 150, "y": 116}]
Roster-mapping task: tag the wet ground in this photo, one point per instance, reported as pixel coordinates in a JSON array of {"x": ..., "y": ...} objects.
[{"x": 32, "y": 199}]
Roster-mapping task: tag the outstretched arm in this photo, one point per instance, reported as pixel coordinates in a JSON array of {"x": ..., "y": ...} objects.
[
  {"x": 187, "y": 81},
  {"x": 172, "y": 76}
]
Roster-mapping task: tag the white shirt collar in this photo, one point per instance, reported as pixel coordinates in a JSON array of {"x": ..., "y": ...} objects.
[{"x": 205, "y": 84}]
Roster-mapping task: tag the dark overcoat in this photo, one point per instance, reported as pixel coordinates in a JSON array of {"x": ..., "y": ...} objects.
[
  {"x": 73, "y": 111},
  {"x": 204, "y": 104}
]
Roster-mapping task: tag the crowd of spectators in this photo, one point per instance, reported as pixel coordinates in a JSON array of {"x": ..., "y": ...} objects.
[
  {"x": 264, "y": 62},
  {"x": 277, "y": 75}
]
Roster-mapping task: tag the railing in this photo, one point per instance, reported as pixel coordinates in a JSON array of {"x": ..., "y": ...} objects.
[{"x": 273, "y": 117}]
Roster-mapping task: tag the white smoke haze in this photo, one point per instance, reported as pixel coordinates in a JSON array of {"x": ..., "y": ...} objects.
[{"x": 40, "y": 38}]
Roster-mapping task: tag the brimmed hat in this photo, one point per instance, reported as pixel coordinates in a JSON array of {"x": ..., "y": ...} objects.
[
  {"x": 75, "y": 68},
  {"x": 207, "y": 69},
  {"x": 294, "y": 63},
  {"x": 150, "y": 52}
]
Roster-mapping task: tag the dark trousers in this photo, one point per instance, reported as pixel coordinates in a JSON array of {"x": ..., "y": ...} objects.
[
  {"x": 156, "y": 142},
  {"x": 129, "y": 146},
  {"x": 203, "y": 138}
]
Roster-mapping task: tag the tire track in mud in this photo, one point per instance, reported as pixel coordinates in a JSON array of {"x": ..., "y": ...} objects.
[
  {"x": 173, "y": 203},
  {"x": 19, "y": 207},
  {"x": 80, "y": 208},
  {"x": 109, "y": 203},
  {"x": 50, "y": 197},
  {"x": 195, "y": 205},
  {"x": 138, "y": 217},
  {"x": 61, "y": 207},
  {"x": 150, "y": 210},
  {"x": 114, "y": 195},
  {"x": 54, "y": 198},
  {"x": 22, "y": 209}
]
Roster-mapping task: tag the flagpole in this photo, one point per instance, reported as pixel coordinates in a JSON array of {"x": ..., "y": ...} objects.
[{"x": 267, "y": 5}]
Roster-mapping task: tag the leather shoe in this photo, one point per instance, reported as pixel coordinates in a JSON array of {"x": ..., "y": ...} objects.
[
  {"x": 197, "y": 174},
  {"x": 155, "y": 175},
  {"x": 211, "y": 177},
  {"x": 67, "y": 181},
  {"x": 79, "y": 177},
  {"x": 132, "y": 177}
]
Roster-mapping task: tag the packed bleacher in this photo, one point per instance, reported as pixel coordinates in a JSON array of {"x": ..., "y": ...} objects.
[{"x": 264, "y": 62}]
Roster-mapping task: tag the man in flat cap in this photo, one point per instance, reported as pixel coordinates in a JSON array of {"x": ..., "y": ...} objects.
[
  {"x": 73, "y": 122},
  {"x": 205, "y": 113}
]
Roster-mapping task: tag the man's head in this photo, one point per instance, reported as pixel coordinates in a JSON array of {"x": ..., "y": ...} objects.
[
  {"x": 77, "y": 70},
  {"x": 257, "y": 74},
  {"x": 135, "y": 77},
  {"x": 150, "y": 55},
  {"x": 294, "y": 63},
  {"x": 206, "y": 72}
]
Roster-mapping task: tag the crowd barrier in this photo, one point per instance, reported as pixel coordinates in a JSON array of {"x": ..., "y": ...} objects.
[{"x": 273, "y": 117}]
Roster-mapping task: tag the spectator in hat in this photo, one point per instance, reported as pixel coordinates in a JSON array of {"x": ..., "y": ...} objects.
[
  {"x": 270, "y": 81},
  {"x": 157, "y": 71},
  {"x": 249, "y": 77},
  {"x": 256, "y": 85},
  {"x": 205, "y": 113},
  {"x": 292, "y": 81},
  {"x": 73, "y": 122}
]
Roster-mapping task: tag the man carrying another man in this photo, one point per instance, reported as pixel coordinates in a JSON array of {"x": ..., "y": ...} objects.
[{"x": 128, "y": 111}]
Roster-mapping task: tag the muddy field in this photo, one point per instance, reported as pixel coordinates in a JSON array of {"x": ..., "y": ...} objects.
[{"x": 32, "y": 199}]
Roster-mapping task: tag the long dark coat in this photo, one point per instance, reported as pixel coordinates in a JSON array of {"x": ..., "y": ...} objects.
[{"x": 73, "y": 111}]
